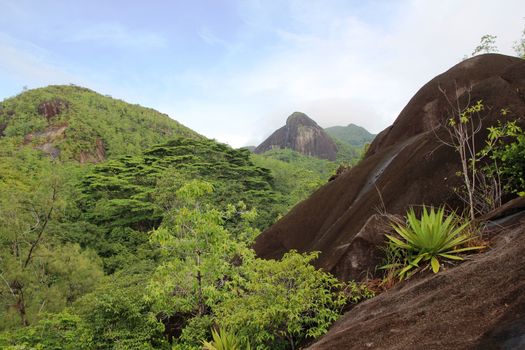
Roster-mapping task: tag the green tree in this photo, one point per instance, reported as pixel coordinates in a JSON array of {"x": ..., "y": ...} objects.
[
  {"x": 209, "y": 276},
  {"x": 62, "y": 331},
  {"x": 122, "y": 199},
  {"x": 279, "y": 304},
  {"x": 198, "y": 254},
  {"x": 487, "y": 45},
  {"x": 117, "y": 316},
  {"x": 37, "y": 273},
  {"x": 506, "y": 148}
]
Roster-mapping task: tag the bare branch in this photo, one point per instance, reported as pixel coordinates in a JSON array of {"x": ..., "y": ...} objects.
[
  {"x": 42, "y": 228},
  {"x": 8, "y": 286}
]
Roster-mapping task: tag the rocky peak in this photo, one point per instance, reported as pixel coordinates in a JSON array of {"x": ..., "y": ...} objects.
[
  {"x": 299, "y": 118},
  {"x": 301, "y": 134}
]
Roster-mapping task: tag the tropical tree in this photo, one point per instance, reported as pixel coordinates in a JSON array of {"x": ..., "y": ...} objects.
[
  {"x": 37, "y": 273},
  {"x": 276, "y": 304},
  {"x": 198, "y": 254}
]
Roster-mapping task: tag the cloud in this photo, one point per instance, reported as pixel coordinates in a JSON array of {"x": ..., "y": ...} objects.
[
  {"x": 117, "y": 35},
  {"x": 342, "y": 68},
  {"x": 340, "y": 62},
  {"x": 30, "y": 64}
]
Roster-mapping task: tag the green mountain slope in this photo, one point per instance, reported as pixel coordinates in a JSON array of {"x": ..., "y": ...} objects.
[
  {"x": 295, "y": 175},
  {"x": 71, "y": 122},
  {"x": 351, "y": 134}
]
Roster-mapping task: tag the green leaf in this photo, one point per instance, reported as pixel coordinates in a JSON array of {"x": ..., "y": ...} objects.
[{"x": 435, "y": 264}]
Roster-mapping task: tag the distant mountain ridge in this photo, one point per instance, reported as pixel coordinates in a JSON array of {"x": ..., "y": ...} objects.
[
  {"x": 301, "y": 134},
  {"x": 352, "y": 134}
]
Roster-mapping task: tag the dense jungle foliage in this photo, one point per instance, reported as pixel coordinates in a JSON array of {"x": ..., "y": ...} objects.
[{"x": 149, "y": 248}]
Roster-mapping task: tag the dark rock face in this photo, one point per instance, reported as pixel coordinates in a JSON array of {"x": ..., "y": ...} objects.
[
  {"x": 364, "y": 253},
  {"x": 405, "y": 165},
  {"x": 303, "y": 135},
  {"x": 479, "y": 304},
  {"x": 50, "y": 109}
]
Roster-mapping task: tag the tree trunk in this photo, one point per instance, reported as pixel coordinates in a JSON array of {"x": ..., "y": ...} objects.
[
  {"x": 200, "y": 301},
  {"x": 21, "y": 307}
]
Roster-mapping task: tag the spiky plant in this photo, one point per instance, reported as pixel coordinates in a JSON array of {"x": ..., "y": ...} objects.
[
  {"x": 224, "y": 340},
  {"x": 428, "y": 240}
]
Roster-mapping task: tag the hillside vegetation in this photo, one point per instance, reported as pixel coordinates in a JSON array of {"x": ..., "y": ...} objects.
[
  {"x": 351, "y": 134},
  {"x": 295, "y": 175},
  {"x": 72, "y": 122},
  {"x": 150, "y": 247}
]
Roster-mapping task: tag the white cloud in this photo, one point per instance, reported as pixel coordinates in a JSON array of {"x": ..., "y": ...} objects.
[
  {"x": 30, "y": 64},
  {"x": 318, "y": 57},
  {"x": 348, "y": 70},
  {"x": 117, "y": 35}
]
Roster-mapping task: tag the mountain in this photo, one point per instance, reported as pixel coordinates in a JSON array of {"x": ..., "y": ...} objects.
[
  {"x": 407, "y": 165},
  {"x": 303, "y": 135},
  {"x": 352, "y": 134},
  {"x": 72, "y": 122}
]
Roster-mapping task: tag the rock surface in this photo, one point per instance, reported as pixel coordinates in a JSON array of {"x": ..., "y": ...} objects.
[
  {"x": 479, "y": 304},
  {"x": 50, "y": 109},
  {"x": 303, "y": 135},
  {"x": 46, "y": 140},
  {"x": 405, "y": 165}
]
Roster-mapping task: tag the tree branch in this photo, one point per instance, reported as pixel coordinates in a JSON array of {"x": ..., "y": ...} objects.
[{"x": 42, "y": 228}]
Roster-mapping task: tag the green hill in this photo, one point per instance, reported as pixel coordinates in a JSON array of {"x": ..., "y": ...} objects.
[
  {"x": 72, "y": 122},
  {"x": 351, "y": 134}
]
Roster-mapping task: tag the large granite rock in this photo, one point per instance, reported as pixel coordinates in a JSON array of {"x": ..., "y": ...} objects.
[
  {"x": 303, "y": 135},
  {"x": 478, "y": 305}
]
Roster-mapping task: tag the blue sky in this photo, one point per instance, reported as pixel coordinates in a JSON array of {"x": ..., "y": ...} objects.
[{"x": 234, "y": 70}]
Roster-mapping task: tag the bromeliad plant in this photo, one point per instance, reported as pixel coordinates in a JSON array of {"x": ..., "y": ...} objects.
[
  {"x": 427, "y": 240},
  {"x": 224, "y": 340}
]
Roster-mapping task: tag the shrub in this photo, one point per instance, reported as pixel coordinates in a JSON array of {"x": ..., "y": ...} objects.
[
  {"x": 356, "y": 292},
  {"x": 280, "y": 304},
  {"x": 508, "y": 154},
  {"x": 427, "y": 240}
]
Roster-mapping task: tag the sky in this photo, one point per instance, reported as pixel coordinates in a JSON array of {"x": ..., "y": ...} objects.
[{"x": 233, "y": 70}]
